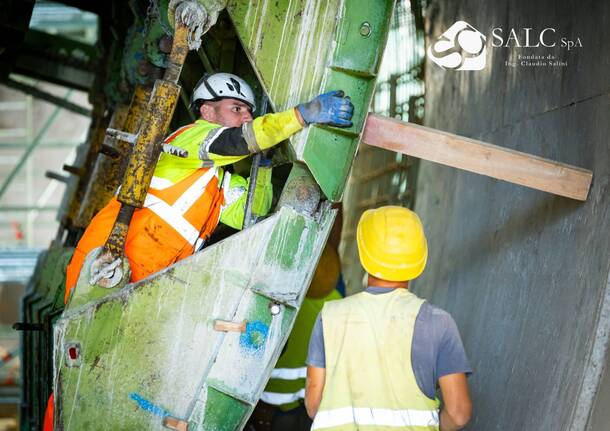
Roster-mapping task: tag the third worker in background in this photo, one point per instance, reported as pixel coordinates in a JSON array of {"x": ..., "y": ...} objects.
[{"x": 376, "y": 358}]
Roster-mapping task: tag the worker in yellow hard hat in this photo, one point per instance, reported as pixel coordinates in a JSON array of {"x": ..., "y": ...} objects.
[{"x": 376, "y": 358}]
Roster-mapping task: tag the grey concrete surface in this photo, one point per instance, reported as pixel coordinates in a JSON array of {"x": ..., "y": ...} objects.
[
  {"x": 524, "y": 273},
  {"x": 598, "y": 417}
]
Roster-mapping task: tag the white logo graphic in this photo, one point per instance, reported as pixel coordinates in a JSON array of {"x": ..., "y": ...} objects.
[{"x": 461, "y": 47}]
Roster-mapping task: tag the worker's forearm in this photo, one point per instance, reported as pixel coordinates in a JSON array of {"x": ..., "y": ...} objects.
[
  {"x": 314, "y": 386},
  {"x": 457, "y": 406},
  {"x": 271, "y": 129},
  {"x": 451, "y": 423},
  {"x": 312, "y": 405}
]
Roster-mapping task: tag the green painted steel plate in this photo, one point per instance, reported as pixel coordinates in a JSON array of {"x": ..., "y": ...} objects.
[
  {"x": 302, "y": 48},
  {"x": 150, "y": 349}
]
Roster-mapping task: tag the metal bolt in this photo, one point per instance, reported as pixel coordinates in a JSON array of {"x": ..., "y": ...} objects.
[
  {"x": 365, "y": 29},
  {"x": 73, "y": 354},
  {"x": 274, "y": 308}
]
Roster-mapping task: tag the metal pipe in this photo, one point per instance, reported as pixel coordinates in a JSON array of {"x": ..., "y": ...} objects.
[
  {"x": 116, "y": 241},
  {"x": 120, "y": 135},
  {"x": 26, "y": 208},
  {"x": 251, "y": 188},
  {"x": 178, "y": 54},
  {"x": 47, "y": 97},
  {"x": 108, "y": 171}
]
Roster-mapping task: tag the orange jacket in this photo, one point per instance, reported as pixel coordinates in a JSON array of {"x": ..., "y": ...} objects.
[{"x": 164, "y": 231}]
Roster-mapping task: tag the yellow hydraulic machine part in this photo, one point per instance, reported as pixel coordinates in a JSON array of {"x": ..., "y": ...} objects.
[
  {"x": 110, "y": 267},
  {"x": 109, "y": 169},
  {"x": 95, "y": 139},
  {"x": 92, "y": 194}
]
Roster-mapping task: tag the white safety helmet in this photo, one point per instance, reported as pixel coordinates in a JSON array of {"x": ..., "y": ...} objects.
[{"x": 223, "y": 86}]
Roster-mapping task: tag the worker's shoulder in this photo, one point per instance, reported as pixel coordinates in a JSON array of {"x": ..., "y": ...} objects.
[
  {"x": 434, "y": 312},
  {"x": 199, "y": 126},
  {"x": 335, "y": 305},
  {"x": 435, "y": 319}
]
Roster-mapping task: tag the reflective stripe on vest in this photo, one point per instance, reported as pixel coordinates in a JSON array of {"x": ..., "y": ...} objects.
[
  {"x": 378, "y": 417},
  {"x": 289, "y": 373},
  {"x": 177, "y": 132},
  {"x": 173, "y": 215},
  {"x": 277, "y": 398},
  {"x": 160, "y": 183},
  {"x": 280, "y": 398}
]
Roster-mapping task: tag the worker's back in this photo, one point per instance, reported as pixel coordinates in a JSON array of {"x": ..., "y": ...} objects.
[{"x": 369, "y": 376}]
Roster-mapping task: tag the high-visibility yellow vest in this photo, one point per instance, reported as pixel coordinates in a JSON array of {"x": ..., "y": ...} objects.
[
  {"x": 370, "y": 383},
  {"x": 286, "y": 387}
]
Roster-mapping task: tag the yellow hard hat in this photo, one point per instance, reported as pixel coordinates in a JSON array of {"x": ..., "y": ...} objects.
[
  {"x": 392, "y": 244},
  {"x": 327, "y": 274}
]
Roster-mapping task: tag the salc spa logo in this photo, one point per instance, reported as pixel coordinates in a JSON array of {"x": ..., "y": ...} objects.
[{"x": 463, "y": 47}]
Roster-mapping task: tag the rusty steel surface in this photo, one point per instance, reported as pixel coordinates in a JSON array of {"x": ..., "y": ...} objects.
[
  {"x": 177, "y": 55},
  {"x": 94, "y": 141},
  {"x": 96, "y": 194},
  {"x": 146, "y": 151}
]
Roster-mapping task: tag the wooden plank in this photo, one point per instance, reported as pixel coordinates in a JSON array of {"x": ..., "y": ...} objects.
[
  {"x": 175, "y": 424},
  {"x": 476, "y": 156},
  {"x": 223, "y": 325}
]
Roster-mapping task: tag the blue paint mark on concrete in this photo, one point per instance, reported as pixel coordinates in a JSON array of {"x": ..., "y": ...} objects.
[
  {"x": 148, "y": 406},
  {"x": 255, "y": 335}
]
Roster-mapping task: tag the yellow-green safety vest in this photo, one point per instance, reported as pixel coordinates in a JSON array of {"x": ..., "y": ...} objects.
[{"x": 370, "y": 383}]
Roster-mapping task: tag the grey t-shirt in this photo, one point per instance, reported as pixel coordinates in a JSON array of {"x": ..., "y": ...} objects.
[{"x": 436, "y": 349}]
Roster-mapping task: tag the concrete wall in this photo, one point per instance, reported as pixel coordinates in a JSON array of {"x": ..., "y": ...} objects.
[{"x": 524, "y": 273}]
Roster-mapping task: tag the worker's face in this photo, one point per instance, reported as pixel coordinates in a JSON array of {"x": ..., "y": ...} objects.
[{"x": 226, "y": 112}]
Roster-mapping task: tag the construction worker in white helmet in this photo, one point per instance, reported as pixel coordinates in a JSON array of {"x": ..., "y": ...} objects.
[
  {"x": 376, "y": 358},
  {"x": 190, "y": 175}
]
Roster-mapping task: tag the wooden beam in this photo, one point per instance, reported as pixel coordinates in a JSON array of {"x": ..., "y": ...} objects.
[
  {"x": 476, "y": 156},
  {"x": 225, "y": 326}
]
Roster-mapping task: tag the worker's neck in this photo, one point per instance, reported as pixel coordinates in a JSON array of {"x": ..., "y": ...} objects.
[{"x": 378, "y": 282}]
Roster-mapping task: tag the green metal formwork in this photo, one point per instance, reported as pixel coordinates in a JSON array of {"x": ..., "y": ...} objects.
[
  {"x": 133, "y": 357},
  {"x": 150, "y": 349},
  {"x": 301, "y": 48}
]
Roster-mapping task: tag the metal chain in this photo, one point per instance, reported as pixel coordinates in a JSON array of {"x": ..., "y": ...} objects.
[{"x": 149, "y": 11}]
